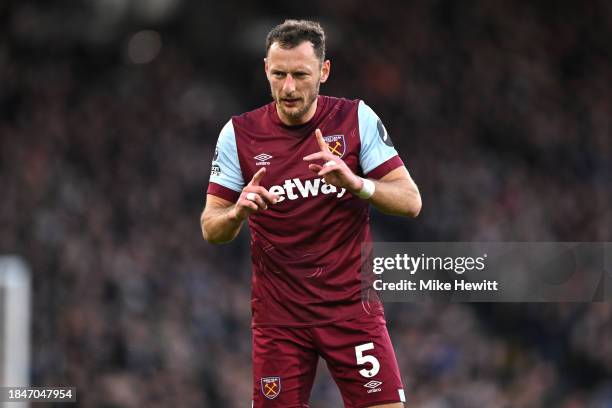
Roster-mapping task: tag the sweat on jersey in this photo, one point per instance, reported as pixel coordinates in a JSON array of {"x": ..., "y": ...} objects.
[{"x": 305, "y": 249}]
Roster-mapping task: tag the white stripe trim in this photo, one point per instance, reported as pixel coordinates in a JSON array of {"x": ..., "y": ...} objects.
[{"x": 401, "y": 395}]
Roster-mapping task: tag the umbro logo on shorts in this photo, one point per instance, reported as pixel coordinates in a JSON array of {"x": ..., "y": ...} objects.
[
  {"x": 372, "y": 384},
  {"x": 270, "y": 387},
  {"x": 262, "y": 159}
]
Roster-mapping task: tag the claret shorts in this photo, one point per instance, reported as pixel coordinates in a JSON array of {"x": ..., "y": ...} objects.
[{"x": 358, "y": 353}]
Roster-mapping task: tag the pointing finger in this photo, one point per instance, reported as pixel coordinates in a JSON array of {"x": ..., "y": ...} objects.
[
  {"x": 320, "y": 141},
  {"x": 257, "y": 177},
  {"x": 316, "y": 156}
]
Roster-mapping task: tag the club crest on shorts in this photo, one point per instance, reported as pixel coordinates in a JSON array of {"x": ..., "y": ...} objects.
[
  {"x": 270, "y": 387},
  {"x": 335, "y": 144}
]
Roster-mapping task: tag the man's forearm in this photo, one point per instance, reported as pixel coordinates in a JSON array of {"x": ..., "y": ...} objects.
[
  {"x": 220, "y": 225},
  {"x": 397, "y": 197}
]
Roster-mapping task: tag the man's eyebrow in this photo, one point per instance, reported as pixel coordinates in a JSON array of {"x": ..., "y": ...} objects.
[{"x": 297, "y": 71}]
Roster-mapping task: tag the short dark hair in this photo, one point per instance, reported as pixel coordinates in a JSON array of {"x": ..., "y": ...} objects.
[{"x": 292, "y": 33}]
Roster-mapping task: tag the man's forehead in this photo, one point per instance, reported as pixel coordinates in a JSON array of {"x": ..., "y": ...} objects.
[{"x": 303, "y": 52}]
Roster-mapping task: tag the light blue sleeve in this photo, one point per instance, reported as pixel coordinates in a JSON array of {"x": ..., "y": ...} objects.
[
  {"x": 376, "y": 145},
  {"x": 225, "y": 168}
]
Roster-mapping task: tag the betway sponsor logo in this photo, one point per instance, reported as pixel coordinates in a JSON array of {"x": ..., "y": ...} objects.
[{"x": 293, "y": 189}]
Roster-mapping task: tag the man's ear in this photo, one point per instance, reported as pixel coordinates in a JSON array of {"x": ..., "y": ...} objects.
[
  {"x": 266, "y": 66},
  {"x": 325, "y": 69}
]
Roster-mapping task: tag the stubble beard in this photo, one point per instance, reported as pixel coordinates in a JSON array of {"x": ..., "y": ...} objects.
[{"x": 296, "y": 115}]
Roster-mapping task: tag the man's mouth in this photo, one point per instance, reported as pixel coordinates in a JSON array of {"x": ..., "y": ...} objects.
[{"x": 290, "y": 100}]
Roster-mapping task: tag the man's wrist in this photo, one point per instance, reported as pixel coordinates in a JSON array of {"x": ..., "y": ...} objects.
[
  {"x": 234, "y": 215},
  {"x": 357, "y": 185},
  {"x": 367, "y": 189}
]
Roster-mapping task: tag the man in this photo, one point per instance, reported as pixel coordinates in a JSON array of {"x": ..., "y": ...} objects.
[{"x": 308, "y": 211}]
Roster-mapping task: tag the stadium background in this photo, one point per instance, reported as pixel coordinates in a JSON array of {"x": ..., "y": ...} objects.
[{"x": 502, "y": 112}]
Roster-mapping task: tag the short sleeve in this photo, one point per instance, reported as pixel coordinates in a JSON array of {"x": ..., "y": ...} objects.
[
  {"x": 225, "y": 170},
  {"x": 377, "y": 156}
]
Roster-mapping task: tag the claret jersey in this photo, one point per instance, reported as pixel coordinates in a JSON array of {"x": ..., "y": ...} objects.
[{"x": 305, "y": 249}]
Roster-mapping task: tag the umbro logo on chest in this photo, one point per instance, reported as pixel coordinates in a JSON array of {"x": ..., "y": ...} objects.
[{"x": 262, "y": 159}]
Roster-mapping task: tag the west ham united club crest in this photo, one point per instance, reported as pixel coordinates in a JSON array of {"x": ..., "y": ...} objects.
[
  {"x": 270, "y": 386},
  {"x": 335, "y": 144}
]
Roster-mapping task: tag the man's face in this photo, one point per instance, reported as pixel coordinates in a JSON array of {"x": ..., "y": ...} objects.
[{"x": 295, "y": 75}]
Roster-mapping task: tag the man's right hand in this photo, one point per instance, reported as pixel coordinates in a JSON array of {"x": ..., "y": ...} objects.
[{"x": 253, "y": 198}]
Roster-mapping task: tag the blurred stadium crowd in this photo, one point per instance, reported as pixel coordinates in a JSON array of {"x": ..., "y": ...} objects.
[{"x": 502, "y": 112}]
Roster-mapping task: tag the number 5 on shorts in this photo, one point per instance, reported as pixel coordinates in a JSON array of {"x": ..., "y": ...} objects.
[{"x": 361, "y": 359}]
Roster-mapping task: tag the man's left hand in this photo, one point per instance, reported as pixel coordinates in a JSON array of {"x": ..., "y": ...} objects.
[{"x": 334, "y": 171}]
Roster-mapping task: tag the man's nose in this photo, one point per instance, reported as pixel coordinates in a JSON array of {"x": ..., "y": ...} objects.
[{"x": 289, "y": 85}]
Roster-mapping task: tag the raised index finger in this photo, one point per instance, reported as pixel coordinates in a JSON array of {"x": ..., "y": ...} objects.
[
  {"x": 320, "y": 140},
  {"x": 257, "y": 177}
]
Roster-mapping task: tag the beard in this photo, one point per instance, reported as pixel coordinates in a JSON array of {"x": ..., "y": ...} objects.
[{"x": 297, "y": 114}]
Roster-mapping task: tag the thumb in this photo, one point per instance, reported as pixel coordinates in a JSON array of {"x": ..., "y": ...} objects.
[{"x": 258, "y": 176}]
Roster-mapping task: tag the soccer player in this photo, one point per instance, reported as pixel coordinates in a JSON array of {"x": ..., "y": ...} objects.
[{"x": 303, "y": 171}]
